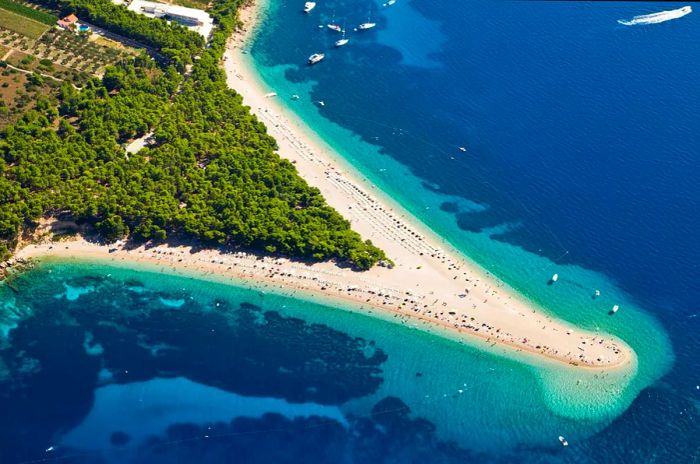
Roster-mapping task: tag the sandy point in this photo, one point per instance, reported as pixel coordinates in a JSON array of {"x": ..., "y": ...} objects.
[{"x": 432, "y": 285}]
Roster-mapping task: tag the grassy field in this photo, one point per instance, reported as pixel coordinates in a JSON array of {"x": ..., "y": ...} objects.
[
  {"x": 31, "y": 13},
  {"x": 23, "y": 25}
]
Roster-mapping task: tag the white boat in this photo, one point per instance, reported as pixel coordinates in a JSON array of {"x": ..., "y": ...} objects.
[
  {"x": 335, "y": 27},
  {"x": 308, "y": 6},
  {"x": 271, "y": 94},
  {"x": 656, "y": 18},
  {"x": 555, "y": 277},
  {"x": 563, "y": 441},
  {"x": 615, "y": 309},
  {"x": 341, "y": 42},
  {"x": 369, "y": 24},
  {"x": 316, "y": 57},
  {"x": 597, "y": 293}
]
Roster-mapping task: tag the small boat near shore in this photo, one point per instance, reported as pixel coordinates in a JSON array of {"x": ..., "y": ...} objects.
[
  {"x": 308, "y": 6},
  {"x": 563, "y": 441},
  {"x": 615, "y": 309},
  {"x": 656, "y": 18},
  {"x": 316, "y": 58}
]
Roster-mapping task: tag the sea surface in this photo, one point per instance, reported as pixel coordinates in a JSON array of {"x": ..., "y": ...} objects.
[{"x": 581, "y": 143}]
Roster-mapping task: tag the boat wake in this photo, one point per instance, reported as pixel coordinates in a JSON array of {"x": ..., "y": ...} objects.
[{"x": 656, "y": 18}]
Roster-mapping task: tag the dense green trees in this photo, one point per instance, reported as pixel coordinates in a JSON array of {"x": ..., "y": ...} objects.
[{"x": 212, "y": 174}]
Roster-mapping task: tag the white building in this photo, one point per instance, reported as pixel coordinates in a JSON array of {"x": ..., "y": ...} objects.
[{"x": 192, "y": 18}]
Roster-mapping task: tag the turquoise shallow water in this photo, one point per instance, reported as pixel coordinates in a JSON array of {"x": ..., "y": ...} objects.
[
  {"x": 158, "y": 361},
  {"x": 372, "y": 143},
  {"x": 579, "y": 160}
]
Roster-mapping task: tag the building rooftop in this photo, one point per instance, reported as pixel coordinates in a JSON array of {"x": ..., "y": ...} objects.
[
  {"x": 204, "y": 22},
  {"x": 67, "y": 21}
]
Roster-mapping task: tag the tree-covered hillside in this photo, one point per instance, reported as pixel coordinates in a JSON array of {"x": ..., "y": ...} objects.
[{"x": 212, "y": 174}]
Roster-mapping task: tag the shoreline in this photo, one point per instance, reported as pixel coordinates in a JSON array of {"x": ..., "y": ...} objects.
[
  {"x": 322, "y": 283},
  {"x": 431, "y": 283},
  {"x": 406, "y": 240}
]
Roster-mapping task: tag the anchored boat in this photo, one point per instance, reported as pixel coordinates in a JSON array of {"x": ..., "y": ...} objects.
[{"x": 316, "y": 57}]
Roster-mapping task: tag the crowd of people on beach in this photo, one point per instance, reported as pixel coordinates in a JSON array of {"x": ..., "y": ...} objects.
[
  {"x": 390, "y": 226},
  {"x": 288, "y": 277}
]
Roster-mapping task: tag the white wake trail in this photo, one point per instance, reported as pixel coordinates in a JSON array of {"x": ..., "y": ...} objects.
[{"x": 656, "y": 18}]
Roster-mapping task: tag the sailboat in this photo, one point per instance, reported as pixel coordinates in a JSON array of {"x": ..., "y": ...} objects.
[
  {"x": 341, "y": 42},
  {"x": 333, "y": 26},
  {"x": 369, "y": 24}
]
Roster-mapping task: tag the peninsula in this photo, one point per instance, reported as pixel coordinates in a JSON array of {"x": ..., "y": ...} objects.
[{"x": 426, "y": 283}]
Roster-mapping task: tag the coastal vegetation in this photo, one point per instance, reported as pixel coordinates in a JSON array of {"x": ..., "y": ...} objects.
[{"x": 208, "y": 172}]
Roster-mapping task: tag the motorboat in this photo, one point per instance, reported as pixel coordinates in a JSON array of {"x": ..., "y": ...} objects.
[
  {"x": 656, "y": 18},
  {"x": 316, "y": 58},
  {"x": 308, "y": 6}
]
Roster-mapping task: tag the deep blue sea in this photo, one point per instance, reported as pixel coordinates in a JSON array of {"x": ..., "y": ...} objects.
[{"x": 581, "y": 157}]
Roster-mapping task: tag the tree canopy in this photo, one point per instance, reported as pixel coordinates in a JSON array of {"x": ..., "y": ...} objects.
[{"x": 211, "y": 173}]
